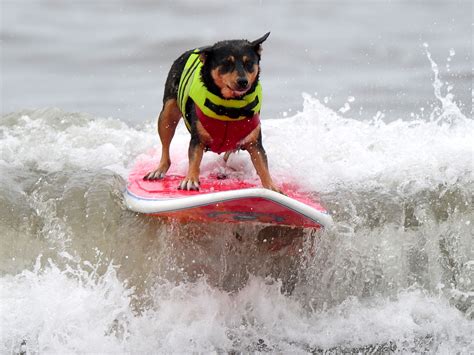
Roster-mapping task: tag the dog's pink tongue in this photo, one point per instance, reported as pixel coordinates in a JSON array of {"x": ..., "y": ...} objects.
[{"x": 238, "y": 92}]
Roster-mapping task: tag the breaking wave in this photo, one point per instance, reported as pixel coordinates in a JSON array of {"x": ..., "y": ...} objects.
[{"x": 81, "y": 273}]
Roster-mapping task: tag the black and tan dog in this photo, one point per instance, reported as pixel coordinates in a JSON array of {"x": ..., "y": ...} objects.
[{"x": 217, "y": 91}]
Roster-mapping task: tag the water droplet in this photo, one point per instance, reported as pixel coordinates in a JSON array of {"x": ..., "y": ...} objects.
[{"x": 345, "y": 108}]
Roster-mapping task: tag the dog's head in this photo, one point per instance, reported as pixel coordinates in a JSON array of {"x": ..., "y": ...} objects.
[{"x": 231, "y": 68}]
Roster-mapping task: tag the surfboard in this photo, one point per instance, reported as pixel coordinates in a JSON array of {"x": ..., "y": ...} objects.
[{"x": 224, "y": 200}]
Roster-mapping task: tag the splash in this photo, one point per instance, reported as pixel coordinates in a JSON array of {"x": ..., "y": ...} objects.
[
  {"x": 77, "y": 310},
  {"x": 400, "y": 193},
  {"x": 449, "y": 112}
]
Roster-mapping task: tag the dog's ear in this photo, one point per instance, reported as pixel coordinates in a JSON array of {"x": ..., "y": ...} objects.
[
  {"x": 257, "y": 44},
  {"x": 204, "y": 53}
]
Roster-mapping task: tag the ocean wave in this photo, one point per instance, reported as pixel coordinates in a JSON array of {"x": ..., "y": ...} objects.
[
  {"x": 394, "y": 273},
  {"x": 76, "y": 310}
]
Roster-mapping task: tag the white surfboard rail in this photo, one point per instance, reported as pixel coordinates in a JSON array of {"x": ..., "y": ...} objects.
[{"x": 158, "y": 205}]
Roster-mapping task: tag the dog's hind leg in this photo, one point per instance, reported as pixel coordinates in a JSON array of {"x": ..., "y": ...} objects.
[
  {"x": 259, "y": 159},
  {"x": 227, "y": 155},
  {"x": 167, "y": 123}
]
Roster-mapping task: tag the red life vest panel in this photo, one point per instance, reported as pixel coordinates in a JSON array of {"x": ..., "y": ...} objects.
[{"x": 226, "y": 134}]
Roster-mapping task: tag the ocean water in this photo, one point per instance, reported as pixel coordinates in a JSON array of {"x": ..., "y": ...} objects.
[
  {"x": 79, "y": 273},
  {"x": 110, "y": 58}
]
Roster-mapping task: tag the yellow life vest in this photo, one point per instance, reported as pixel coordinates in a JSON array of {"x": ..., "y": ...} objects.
[{"x": 213, "y": 106}]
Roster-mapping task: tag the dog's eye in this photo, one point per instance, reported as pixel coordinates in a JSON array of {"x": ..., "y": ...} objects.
[
  {"x": 227, "y": 65},
  {"x": 249, "y": 66}
]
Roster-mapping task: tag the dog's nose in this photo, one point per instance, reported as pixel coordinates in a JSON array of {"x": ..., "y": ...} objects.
[{"x": 242, "y": 83}]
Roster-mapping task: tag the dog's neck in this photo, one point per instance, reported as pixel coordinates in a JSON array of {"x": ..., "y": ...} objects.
[{"x": 213, "y": 88}]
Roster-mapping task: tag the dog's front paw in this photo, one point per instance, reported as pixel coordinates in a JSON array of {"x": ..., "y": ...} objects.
[
  {"x": 159, "y": 172},
  {"x": 190, "y": 184},
  {"x": 156, "y": 174}
]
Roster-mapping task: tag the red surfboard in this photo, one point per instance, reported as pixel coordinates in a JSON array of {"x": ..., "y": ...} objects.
[{"x": 226, "y": 200}]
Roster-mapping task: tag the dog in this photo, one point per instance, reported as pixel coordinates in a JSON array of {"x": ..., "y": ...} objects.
[{"x": 216, "y": 90}]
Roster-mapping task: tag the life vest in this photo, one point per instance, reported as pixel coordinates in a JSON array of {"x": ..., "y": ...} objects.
[{"x": 228, "y": 121}]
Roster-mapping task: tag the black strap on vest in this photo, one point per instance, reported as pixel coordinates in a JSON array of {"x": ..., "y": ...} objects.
[
  {"x": 186, "y": 78},
  {"x": 232, "y": 112}
]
